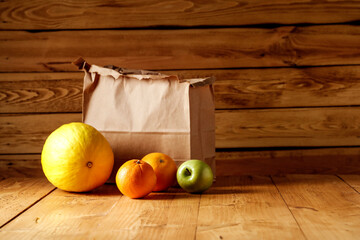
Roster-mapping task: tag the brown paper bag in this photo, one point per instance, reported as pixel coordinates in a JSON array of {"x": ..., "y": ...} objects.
[{"x": 140, "y": 112}]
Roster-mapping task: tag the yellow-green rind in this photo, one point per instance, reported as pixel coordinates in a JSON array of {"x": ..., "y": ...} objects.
[{"x": 77, "y": 158}]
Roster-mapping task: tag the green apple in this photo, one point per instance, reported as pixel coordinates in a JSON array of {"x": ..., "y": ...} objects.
[{"x": 194, "y": 176}]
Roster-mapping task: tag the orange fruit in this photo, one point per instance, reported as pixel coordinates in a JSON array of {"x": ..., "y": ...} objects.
[
  {"x": 165, "y": 169},
  {"x": 135, "y": 178},
  {"x": 77, "y": 158}
]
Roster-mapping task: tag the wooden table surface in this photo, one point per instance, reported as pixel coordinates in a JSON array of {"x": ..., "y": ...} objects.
[{"x": 244, "y": 207}]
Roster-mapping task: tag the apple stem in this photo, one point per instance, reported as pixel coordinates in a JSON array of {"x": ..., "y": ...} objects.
[
  {"x": 138, "y": 162},
  {"x": 188, "y": 171}
]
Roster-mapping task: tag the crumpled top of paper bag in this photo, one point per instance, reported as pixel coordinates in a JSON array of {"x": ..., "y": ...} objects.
[{"x": 116, "y": 72}]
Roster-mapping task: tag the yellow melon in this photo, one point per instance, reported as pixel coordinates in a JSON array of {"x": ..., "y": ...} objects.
[{"x": 77, "y": 158}]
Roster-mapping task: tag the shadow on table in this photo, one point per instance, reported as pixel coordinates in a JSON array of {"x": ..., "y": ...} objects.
[{"x": 222, "y": 185}]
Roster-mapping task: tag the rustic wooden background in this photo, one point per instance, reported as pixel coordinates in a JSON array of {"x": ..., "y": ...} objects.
[{"x": 287, "y": 95}]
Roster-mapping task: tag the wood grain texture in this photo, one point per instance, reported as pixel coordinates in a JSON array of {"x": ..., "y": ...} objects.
[
  {"x": 125, "y": 14},
  {"x": 234, "y": 129},
  {"x": 105, "y": 213},
  {"x": 287, "y": 161},
  {"x": 286, "y": 87},
  {"x": 23, "y": 51},
  {"x": 297, "y": 207},
  {"x": 17, "y": 194},
  {"x": 40, "y": 92},
  {"x": 324, "y": 206},
  {"x": 291, "y": 127},
  {"x": 27, "y": 133},
  {"x": 238, "y": 88},
  {"x": 245, "y": 208},
  {"x": 62, "y": 214},
  {"x": 19, "y": 166},
  {"x": 353, "y": 181}
]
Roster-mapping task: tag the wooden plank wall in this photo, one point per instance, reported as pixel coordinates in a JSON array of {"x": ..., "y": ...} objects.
[{"x": 287, "y": 95}]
